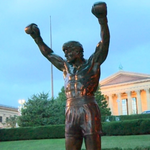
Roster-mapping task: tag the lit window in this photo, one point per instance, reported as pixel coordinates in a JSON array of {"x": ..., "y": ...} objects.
[
  {"x": 134, "y": 105},
  {"x": 124, "y": 107}
]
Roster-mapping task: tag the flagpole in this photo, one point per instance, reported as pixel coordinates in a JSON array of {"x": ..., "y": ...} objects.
[{"x": 52, "y": 91}]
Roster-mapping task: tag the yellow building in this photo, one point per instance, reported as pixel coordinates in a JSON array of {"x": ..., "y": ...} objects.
[
  {"x": 127, "y": 93},
  {"x": 6, "y": 112}
]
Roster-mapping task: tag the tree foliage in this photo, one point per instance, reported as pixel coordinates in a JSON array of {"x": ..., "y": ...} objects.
[
  {"x": 40, "y": 110},
  {"x": 102, "y": 103},
  {"x": 61, "y": 96},
  {"x": 11, "y": 121}
]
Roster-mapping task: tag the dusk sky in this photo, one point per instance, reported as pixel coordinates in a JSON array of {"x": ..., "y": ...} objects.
[{"x": 23, "y": 69}]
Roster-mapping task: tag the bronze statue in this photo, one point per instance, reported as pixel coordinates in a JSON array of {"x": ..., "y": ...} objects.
[{"x": 83, "y": 118}]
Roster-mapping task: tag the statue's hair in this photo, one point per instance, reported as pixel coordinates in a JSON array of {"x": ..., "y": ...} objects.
[{"x": 72, "y": 44}]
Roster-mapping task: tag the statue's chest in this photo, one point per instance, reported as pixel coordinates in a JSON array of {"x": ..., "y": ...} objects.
[{"x": 80, "y": 75}]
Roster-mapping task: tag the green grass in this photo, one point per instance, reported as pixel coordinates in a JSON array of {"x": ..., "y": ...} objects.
[
  {"x": 126, "y": 141},
  {"x": 59, "y": 144}
]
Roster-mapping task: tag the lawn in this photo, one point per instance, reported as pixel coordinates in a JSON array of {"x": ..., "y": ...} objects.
[{"x": 59, "y": 144}]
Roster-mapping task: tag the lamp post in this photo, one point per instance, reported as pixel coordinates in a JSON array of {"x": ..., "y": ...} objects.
[{"x": 21, "y": 102}]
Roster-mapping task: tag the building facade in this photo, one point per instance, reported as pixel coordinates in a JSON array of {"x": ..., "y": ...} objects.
[
  {"x": 6, "y": 112},
  {"x": 127, "y": 93}
]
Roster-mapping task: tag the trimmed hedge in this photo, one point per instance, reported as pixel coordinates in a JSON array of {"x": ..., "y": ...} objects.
[
  {"x": 28, "y": 133},
  {"x": 125, "y": 117},
  {"x": 133, "y": 127}
]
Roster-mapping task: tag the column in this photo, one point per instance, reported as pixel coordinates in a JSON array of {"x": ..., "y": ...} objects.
[
  {"x": 139, "y": 103},
  {"x": 111, "y": 103},
  {"x": 107, "y": 99},
  {"x": 129, "y": 103},
  {"x": 119, "y": 104},
  {"x": 148, "y": 99}
]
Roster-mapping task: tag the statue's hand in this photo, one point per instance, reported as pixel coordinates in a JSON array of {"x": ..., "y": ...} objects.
[
  {"x": 33, "y": 30},
  {"x": 99, "y": 9}
]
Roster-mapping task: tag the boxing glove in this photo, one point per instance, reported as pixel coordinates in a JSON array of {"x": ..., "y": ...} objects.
[
  {"x": 33, "y": 30},
  {"x": 99, "y": 9}
]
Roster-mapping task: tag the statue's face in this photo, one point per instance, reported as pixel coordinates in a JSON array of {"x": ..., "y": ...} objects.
[{"x": 71, "y": 54}]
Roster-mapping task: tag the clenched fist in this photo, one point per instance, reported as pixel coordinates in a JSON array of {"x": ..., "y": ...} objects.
[
  {"x": 99, "y": 9},
  {"x": 33, "y": 30}
]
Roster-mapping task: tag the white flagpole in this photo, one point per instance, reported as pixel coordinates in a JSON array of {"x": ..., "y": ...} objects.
[{"x": 52, "y": 91}]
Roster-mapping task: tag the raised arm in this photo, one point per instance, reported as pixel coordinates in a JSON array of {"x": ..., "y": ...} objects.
[
  {"x": 100, "y": 11},
  {"x": 34, "y": 31}
]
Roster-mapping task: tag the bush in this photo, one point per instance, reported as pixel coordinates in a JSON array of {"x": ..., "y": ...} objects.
[
  {"x": 145, "y": 126},
  {"x": 44, "y": 132},
  {"x": 133, "y": 127},
  {"x": 125, "y": 117}
]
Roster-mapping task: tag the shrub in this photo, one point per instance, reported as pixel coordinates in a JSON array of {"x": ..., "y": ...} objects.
[
  {"x": 125, "y": 117},
  {"x": 28, "y": 133},
  {"x": 127, "y": 127},
  {"x": 133, "y": 127}
]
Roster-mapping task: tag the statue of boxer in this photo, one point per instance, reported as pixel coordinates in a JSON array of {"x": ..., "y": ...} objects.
[{"x": 81, "y": 76}]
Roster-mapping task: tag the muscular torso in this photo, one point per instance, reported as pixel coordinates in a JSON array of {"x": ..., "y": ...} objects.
[{"x": 81, "y": 81}]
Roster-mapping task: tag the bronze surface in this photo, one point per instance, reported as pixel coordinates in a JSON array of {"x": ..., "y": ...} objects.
[{"x": 81, "y": 76}]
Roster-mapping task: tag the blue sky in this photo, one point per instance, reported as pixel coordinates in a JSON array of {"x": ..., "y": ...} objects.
[{"x": 24, "y": 71}]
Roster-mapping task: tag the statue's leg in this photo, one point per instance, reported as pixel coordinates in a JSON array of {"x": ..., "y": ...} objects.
[
  {"x": 93, "y": 142},
  {"x": 74, "y": 143}
]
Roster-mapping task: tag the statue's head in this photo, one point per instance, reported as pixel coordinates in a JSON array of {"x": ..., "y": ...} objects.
[
  {"x": 72, "y": 49},
  {"x": 72, "y": 45}
]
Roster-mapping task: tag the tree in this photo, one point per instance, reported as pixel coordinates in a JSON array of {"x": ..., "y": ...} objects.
[
  {"x": 11, "y": 121},
  {"x": 61, "y": 96},
  {"x": 102, "y": 103},
  {"x": 37, "y": 111},
  {"x": 61, "y": 102},
  {"x": 40, "y": 110}
]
